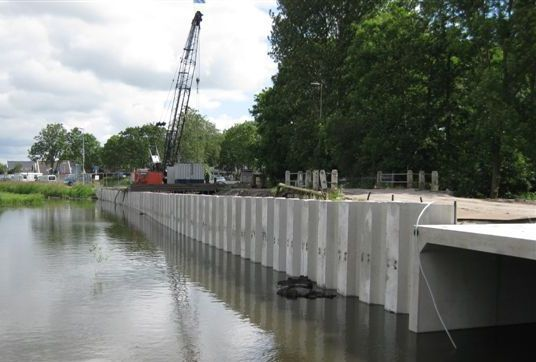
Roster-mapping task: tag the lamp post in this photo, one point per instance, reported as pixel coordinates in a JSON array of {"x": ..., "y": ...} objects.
[
  {"x": 83, "y": 157},
  {"x": 319, "y": 84}
]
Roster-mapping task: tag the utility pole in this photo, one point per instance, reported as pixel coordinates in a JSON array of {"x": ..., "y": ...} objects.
[{"x": 83, "y": 157}]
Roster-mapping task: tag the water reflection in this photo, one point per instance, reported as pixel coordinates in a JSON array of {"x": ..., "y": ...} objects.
[{"x": 60, "y": 301}]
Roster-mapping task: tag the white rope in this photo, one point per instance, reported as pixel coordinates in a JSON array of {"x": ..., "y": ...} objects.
[{"x": 426, "y": 279}]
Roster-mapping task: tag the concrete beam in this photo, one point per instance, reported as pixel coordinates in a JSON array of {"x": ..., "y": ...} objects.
[
  {"x": 280, "y": 234},
  {"x": 268, "y": 240},
  {"x": 236, "y": 218},
  {"x": 309, "y": 236},
  {"x": 327, "y": 244},
  {"x": 256, "y": 235},
  {"x": 293, "y": 240},
  {"x": 245, "y": 227}
]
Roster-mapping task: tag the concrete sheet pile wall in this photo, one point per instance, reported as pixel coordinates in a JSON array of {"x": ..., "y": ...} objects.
[{"x": 361, "y": 249}]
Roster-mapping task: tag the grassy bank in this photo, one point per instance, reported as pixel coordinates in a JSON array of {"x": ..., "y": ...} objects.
[
  {"x": 48, "y": 189},
  {"x": 10, "y": 199}
]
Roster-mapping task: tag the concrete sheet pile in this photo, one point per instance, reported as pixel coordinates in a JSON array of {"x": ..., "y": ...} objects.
[{"x": 361, "y": 249}]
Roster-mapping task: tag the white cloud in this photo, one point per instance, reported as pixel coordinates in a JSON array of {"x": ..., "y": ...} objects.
[
  {"x": 225, "y": 121},
  {"x": 105, "y": 66}
]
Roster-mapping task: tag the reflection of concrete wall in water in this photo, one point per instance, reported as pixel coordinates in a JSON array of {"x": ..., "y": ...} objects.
[{"x": 361, "y": 249}]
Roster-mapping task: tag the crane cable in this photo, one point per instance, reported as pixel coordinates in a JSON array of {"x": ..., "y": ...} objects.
[
  {"x": 197, "y": 79},
  {"x": 167, "y": 103}
]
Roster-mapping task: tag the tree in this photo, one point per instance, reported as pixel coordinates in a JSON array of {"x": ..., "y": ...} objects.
[
  {"x": 442, "y": 85},
  {"x": 3, "y": 168},
  {"x": 50, "y": 145},
  {"x": 200, "y": 141},
  {"x": 309, "y": 42},
  {"x": 130, "y": 148},
  {"x": 83, "y": 147},
  {"x": 239, "y": 146}
]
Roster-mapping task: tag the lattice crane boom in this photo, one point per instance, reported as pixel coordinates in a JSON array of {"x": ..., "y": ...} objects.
[{"x": 181, "y": 97}]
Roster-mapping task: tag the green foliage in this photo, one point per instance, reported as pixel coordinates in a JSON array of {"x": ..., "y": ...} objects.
[
  {"x": 239, "y": 147},
  {"x": 10, "y": 199},
  {"x": 78, "y": 191},
  {"x": 335, "y": 194},
  {"x": 433, "y": 85},
  {"x": 130, "y": 148},
  {"x": 201, "y": 140},
  {"x": 3, "y": 168},
  {"x": 528, "y": 196},
  {"x": 84, "y": 148},
  {"x": 50, "y": 144},
  {"x": 16, "y": 169}
]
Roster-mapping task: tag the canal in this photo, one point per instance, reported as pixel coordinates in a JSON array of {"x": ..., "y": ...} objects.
[{"x": 86, "y": 281}]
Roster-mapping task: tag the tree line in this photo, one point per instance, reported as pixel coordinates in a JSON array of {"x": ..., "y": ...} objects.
[
  {"x": 131, "y": 148},
  {"x": 447, "y": 85}
]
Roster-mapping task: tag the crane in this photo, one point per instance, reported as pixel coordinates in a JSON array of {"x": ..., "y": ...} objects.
[{"x": 179, "y": 110}]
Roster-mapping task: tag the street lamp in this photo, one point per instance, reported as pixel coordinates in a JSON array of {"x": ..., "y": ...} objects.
[
  {"x": 319, "y": 84},
  {"x": 83, "y": 157}
]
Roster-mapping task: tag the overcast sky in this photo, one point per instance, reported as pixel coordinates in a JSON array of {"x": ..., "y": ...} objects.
[{"x": 107, "y": 65}]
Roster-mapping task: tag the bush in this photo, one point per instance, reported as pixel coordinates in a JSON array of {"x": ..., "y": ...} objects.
[
  {"x": 48, "y": 189},
  {"x": 10, "y": 199}
]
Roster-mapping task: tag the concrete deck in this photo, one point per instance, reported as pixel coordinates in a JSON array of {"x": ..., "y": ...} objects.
[{"x": 480, "y": 275}]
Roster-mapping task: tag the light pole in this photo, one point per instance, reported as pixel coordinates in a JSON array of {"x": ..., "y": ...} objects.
[
  {"x": 319, "y": 84},
  {"x": 83, "y": 157}
]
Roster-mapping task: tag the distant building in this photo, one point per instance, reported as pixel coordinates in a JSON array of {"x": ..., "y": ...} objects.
[
  {"x": 62, "y": 168},
  {"x": 25, "y": 166}
]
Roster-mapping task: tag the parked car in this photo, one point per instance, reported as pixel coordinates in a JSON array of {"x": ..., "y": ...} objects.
[
  {"x": 70, "y": 180},
  {"x": 47, "y": 178},
  {"x": 220, "y": 180}
]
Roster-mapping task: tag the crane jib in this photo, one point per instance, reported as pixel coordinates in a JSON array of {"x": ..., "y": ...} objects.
[{"x": 181, "y": 97}]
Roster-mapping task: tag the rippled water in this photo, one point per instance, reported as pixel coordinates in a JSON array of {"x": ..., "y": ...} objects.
[{"x": 95, "y": 282}]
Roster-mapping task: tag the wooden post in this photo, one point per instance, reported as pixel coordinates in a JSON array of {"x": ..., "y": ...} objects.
[
  {"x": 334, "y": 179},
  {"x": 323, "y": 180},
  {"x": 379, "y": 180},
  {"x": 422, "y": 180},
  {"x": 308, "y": 179},
  {"x": 299, "y": 182},
  {"x": 409, "y": 180},
  {"x": 316, "y": 181},
  {"x": 287, "y": 177},
  {"x": 435, "y": 181}
]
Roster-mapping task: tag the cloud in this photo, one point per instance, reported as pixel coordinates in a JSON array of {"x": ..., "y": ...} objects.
[
  {"x": 105, "y": 66},
  {"x": 225, "y": 121}
]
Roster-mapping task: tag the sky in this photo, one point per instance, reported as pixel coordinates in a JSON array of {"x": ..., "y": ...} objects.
[{"x": 106, "y": 65}]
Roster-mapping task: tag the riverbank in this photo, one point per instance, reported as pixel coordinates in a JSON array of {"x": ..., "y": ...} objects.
[{"x": 34, "y": 193}]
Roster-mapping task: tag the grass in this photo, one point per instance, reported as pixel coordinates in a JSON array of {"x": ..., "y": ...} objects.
[
  {"x": 10, "y": 199},
  {"x": 335, "y": 194},
  {"x": 47, "y": 190},
  {"x": 528, "y": 196}
]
